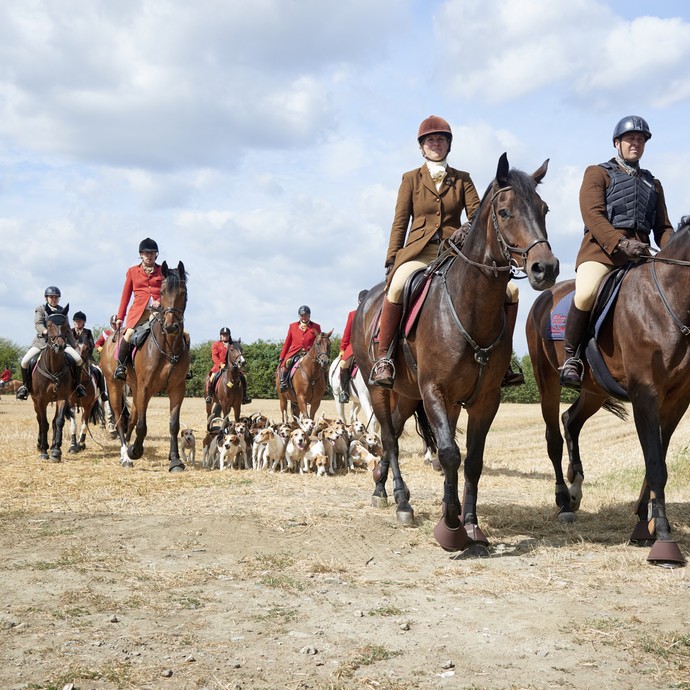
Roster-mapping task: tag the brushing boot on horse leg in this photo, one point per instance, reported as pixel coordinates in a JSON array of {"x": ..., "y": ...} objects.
[
  {"x": 122, "y": 357},
  {"x": 344, "y": 396},
  {"x": 383, "y": 372},
  {"x": 23, "y": 390},
  {"x": 512, "y": 378},
  {"x": 575, "y": 327}
]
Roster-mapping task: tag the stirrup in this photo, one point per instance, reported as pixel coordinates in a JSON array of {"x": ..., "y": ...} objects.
[
  {"x": 572, "y": 372},
  {"x": 80, "y": 391},
  {"x": 121, "y": 372},
  {"x": 385, "y": 379},
  {"x": 22, "y": 393}
]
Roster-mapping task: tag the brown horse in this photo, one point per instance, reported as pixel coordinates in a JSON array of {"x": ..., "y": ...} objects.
[
  {"x": 459, "y": 348},
  {"x": 229, "y": 389},
  {"x": 160, "y": 364},
  {"x": 52, "y": 381},
  {"x": 11, "y": 386},
  {"x": 307, "y": 386},
  {"x": 644, "y": 344}
]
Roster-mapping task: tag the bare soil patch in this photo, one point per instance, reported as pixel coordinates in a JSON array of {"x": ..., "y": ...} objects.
[{"x": 115, "y": 578}]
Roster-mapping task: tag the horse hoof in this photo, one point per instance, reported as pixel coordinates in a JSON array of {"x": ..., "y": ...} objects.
[
  {"x": 55, "y": 458},
  {"x": 450, "y": 539},
  {"x": 475, "y": 535},
  {"x": 666, "y": 554},
  {"x": 475, "y": 551},
  {"x": 127, "y": 464},
  {"x": 73, "y": 449},
  {"x": 379, "y": 502},
  {"x": 176, "y": 468},
  {"x": 43, "y": 456},
  {"x": 405, "y": 517},
  {"x": 134, "y": 453},
  {"x": 566, "y": 517},
  {"x": 640, "y": 535}
]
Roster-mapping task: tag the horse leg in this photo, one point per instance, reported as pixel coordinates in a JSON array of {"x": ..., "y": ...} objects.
[
  {"x": 137, "y": 423},
  {"x": 58, "y": 425},
  {"x": 74, "y": 447},
  {"x": 405, "y": 408},
  {"x": 381, "y": 404},
  {"x": 82, "y": 435},
  {"x": 574, "y": 419},
  {"x": 43, "y": 426},
  {"x": 175, "y": 464}
]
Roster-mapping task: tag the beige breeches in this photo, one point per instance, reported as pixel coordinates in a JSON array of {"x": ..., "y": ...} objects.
[
  {"x": 587, "y": 281},
  {"x": 430, "y": 252}
]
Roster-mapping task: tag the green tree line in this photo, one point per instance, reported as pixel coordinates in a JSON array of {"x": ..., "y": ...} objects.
[{"x": 262, "y": 360}]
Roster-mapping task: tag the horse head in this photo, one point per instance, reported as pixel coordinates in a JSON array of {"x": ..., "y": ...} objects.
[
  {"x": 173, "y": 297},
  {"x": 515, "y": 218},
  {"x": 57, "y": 326},
  {"x": 322, "y": 348},
  {"x": 235, "y": 358}
]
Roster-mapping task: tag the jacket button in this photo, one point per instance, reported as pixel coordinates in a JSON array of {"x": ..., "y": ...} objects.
[{"x": 438, "y": 213}]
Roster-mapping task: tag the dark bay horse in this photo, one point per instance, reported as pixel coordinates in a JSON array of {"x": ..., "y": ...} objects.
[
  {"x": 52, "y": 381},
  {"x": 161, "y": 364},
  {"x": 228, "y": 390},
  {"x": 90, "y": 406},
  {"x": 308, "y": 385},
  {"x": 645, "y": 344},
  {"x": 461, "y": 346}
]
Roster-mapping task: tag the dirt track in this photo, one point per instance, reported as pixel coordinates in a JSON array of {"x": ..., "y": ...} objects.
[{"x": 143, "y": 579}]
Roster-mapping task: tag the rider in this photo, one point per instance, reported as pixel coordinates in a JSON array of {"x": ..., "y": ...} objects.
[
  {"x": 219, "y": 355},
  {"x": 430, "y": 203},
  {"x": 621, "y": 205},
  {"x": 41, "y": 314},
  {"x": 347, "y": 358},
  {"x": 5, "y": 377},
  {"x": 144, "y": 280},
  {"x": 81, "y": 333},
  {"x": 100, "y": 341},
  {"x": 299, "y": 339}
]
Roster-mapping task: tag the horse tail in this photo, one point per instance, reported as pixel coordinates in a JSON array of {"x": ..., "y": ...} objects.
[
  {"x": 424, "y": 429},
  {"x": 616, "y": 407},
  {"x": 97, "y": 414}
]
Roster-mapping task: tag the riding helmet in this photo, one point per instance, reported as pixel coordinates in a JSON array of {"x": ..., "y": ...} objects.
[
  {"x": 52, "y": 291},
  {"x": 434, "y": 125},
  {"x": 304, "y": 309},
  {"x": 148, "y": 245},
  {"x": 79, "y": 315},
  {"x": 631, "y": 123},
  {"x": 225, "y": 331}
]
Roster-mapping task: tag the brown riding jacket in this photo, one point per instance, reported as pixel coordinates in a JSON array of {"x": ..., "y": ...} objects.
[
  {"x": 600, "y": 242},
  {"x": 430, "y": 211}
]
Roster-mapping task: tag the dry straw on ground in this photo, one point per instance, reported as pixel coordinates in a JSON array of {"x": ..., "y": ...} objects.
[{"x": 145, "y": 579}]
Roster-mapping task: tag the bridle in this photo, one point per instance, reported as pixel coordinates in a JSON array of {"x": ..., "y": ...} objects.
[{"x": 507, "y": 250}]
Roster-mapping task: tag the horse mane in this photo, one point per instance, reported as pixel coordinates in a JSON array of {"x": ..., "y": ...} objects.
[
  {"x": 680, "y": 235},
  {"x": 520, "y": 181},
  {"x": 684, "y": 223}
]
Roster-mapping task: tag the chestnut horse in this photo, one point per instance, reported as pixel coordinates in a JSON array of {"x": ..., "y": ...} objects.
[
  {"x": 644, "y": 343},
  {"x": 52, "y": 381},
  {"x": 307, "y": 386},
  {"x": 460, "y": 345},
  {"x": 11, "y": 386},
  {"x": 228, "y": 390},
  {"x": 160, "y": 364}
]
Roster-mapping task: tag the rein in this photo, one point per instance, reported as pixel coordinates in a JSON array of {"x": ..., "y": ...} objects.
[{"x": 685, "y": 330}]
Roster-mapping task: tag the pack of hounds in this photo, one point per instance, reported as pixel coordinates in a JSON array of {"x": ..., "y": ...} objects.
[{"x": 322, "y": 447}]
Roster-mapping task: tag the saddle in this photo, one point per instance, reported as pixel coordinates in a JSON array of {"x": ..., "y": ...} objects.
[{"x": 603, "y": 306}]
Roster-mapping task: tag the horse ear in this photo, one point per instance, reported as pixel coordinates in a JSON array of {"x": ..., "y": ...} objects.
[
  {"x": 180, "y": 269},
  {"x": 502, "y": 170},
  {"x": 330, "y": 333},
  {"x": 538, "y": 175},
  {"x": 164, "y": 269},
  {"x": 65, "y": 309}
]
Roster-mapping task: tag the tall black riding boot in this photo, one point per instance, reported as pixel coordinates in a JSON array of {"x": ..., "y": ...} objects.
[
  {"x": 283, "y": 379},
  {"x": 575, "y": 327},
  {"x": 344, "y": 396},
  {"x": 23, "y": 390},
  {"x": 78, "y": 386},
  {"x": 246, "y": 400},
  {"x": 512, "y": 378},
  {"x": 122, "y": 357}
]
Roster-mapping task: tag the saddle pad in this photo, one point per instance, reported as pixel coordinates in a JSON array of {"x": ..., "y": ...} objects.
[
  {"x": 559, "y": 314},
  {"x": 415, "y": 307}
]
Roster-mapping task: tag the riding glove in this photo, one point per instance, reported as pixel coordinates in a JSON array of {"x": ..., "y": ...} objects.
[{"x": 631, "y": 248}]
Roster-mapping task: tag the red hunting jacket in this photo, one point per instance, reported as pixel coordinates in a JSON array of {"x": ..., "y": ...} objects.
[
  {"x": 297, "y": 339},
  {"x": 145, "y": 287},
  {"x": 219, "y": 352},
  {"x": 345, "y": 344}
]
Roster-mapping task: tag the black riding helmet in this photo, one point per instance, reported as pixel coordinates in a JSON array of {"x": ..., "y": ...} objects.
[
  {"x": 631, "y": 123},
  {"x": 304, "y": 309},
  {"x": 79, "y": 315},
  {"x": 148, "y": 245},
  {"x": 52, "y": 291},
  {"x": 225, "y": 331}
]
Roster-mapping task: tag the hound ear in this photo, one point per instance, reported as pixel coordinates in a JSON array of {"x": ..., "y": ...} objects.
[
  {"x": 164, "y": 269},
  {"x": 502, "y": 170},
  {"x": 538, "y": 175}
]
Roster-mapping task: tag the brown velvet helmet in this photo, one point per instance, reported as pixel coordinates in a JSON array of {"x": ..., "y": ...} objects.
[{"x": 434, "y": 125}]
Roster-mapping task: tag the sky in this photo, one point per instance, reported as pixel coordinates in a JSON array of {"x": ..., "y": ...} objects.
[{"x": 262, "y": 143}]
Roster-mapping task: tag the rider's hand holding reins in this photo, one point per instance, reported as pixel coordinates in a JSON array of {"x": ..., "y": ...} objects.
[{"x": 632, "y": 248}]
